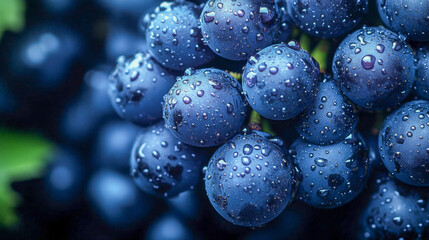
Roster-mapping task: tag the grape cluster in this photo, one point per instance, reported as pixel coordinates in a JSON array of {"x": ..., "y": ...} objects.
[{"x": 252, "y": 177}]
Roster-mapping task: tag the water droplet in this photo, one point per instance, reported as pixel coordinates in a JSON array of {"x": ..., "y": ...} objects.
[
  {"x": 240, "y": 13},
  {"x": 380, "y": 48},
  {"x": 247, "y": 149},
  {"x": 397, "y": 220},
  {"x": 245, "y": 161},
  {"x": 229, "y": 108},
  {"x": 397, "y": 45},
  {"x": 209, "y": 16},
  {"x": 262, "y": 67},
  {"x": 200, "y": 93},
  {"x": 321, "y": 162},
  {"x": 221, "y": 164},
  {"x": 266, "y": 14},
  {"x": 294, "y": 45},
  {"x": 155, "y": 154},
  {"x": 368, "y": 61},
  {"x": 251, "y": 79},
  {"x": 266, "y": 151},
  {"x": 134, "y": 75},
  {"x": 187, "y": 100},
  {"x": 323, "y": 192}
]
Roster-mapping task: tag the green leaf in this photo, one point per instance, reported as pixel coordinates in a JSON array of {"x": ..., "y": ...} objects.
[
  {"x": 12, "y": 15},
  {"x": 266, "y": 127},
  {"x": 23, "y": 156}
]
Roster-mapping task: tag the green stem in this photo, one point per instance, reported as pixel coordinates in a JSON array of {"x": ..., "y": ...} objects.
[
  {"x": 255, "y": 118},
  {"x": 320, "y": 53},
  {"x": 305, "y": 42},
  {"x": 266, "y": 127},
  {"x": 379, "y": 119},
  {"x": 236, "y": 75}
]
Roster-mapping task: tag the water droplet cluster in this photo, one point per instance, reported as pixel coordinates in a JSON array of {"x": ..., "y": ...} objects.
[
  {"x": 173, "y": 35},
  {"x": 236, "y": 29},
  {"x": 280, "y": 81},
  {"x": 395, "y": 211},
  {"x": 374, "y": 67},
  {"x": 327, "y": 19},
  {"x": 163, "y": 165},
  {"x": 329, "y": 119},
  {"x": 409, "y": 17},
  {"x": 137, "y": 86},
  {"x": 404, "y": 143},
  {"x": 205, "y": 107},
  {"x": 249, "y": 179},
  {"x": 332, "y": 175}
]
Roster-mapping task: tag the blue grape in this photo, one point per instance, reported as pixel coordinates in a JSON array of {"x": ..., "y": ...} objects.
[
  {"x": 374, "y": 67},
  {"x": 249, "y": 180},
  {"x": 205, "y": 107},
  {"x": 113, "y": 145},
  {"x": 331, "y": 175},
  {"x": 394, "y": 211},
  {"x": 82, "y": 117},
  {"x": 121, "y": 41},
  {"x": 281, "y": 81},
  {"x": 236, "y": 30},
  {"x": 43, "y": 55},
  {"x": 329, "y": 119},
  {"x": 168, "y": 227},
  {"x": 64, "y": 178},
  {"x": 327, "y": 19},
  {"x": 173, "y": 36},
  {"x": 116, "y": 199},
  {"x": 409, "y": 17},
  {"x": 162, "y": 165},
  {"x": 137, "y": 86},
  {"x": 404, "y": 145}
]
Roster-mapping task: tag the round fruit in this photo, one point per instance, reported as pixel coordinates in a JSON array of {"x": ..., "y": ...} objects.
[
  {"x": 409, "y": 17},
  {"x": 395, "y": 211},
  {"x": 329, "y": 119},
  {"x": 236, "y": 29},
  {"x": 249, "y": 179},
  {"x": 162, "y": 165},
  {"x": 280, "y": 81},
  {"x": 374, "y": 67},
  {"x": 327, "y": 19},
  {"x": 137, "y": 86},
  {"x": 112, "y": 145},
  {"x": 116, "y": 199},
  {"x": 42, "y": 57},
  {"x": 404, "y": 143},
  {"x": 205, "y": 107},
  {"x": 332, "y": 175},
  {"x": 173, "y": 35}
]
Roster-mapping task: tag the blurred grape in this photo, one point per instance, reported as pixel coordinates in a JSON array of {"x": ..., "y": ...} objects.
[
  {"x": 42, "y": 57},
  {"x": 84, "y": 115},
  {"x": 113, "y": 145},
  {"x": 168, "y": 227},
  {"x": 116, "y": 200}
]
